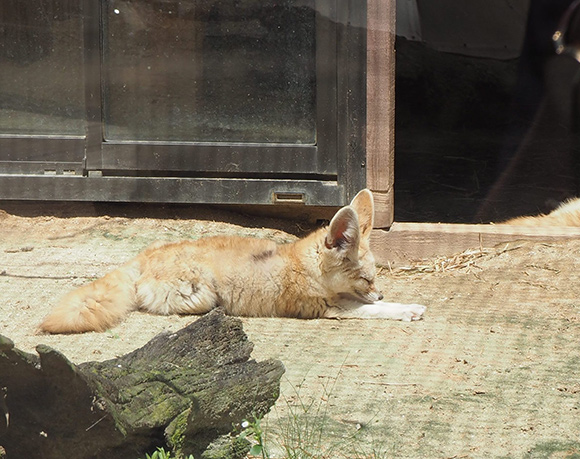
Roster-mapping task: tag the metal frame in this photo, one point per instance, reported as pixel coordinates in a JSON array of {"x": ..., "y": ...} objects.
[
  {"x": 325, "y": 174},
  {"x": 42, "y": 155},
  {"x": 172, "y": 189}
]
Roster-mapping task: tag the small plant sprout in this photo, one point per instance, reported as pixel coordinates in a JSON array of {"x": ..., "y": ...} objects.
[
  {"x": 160, "y": 453},
  {"x": 253, "y": 432}
]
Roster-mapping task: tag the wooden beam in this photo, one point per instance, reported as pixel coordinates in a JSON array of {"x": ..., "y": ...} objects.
[
  {"x": 384, "y": 208},
  {"x": 406, "y": 242},
  {"x": 380, "y": 142}
]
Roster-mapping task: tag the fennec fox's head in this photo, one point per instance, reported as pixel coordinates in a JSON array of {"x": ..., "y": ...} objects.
[{"x": 348, "y": 264}]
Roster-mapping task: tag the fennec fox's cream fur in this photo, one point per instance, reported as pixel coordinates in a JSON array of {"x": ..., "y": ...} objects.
[
  {"x": 329, "y": 273},
  {"x": 567, "y": 214}
]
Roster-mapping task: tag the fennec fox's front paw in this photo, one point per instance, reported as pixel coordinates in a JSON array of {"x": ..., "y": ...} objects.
[
  {"x": 413, "y": 312},
  {"x": 406, "y": 312}
]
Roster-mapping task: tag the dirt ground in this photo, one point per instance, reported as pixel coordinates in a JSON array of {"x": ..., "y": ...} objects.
[{"x": 492, "y": 371}]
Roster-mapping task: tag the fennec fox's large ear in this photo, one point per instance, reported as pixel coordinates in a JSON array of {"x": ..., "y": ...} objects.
[
  {"x": 364, "y": 206},
  {"x": 344, "y": 233}
]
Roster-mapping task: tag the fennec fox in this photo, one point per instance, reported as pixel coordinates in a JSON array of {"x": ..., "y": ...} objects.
[{"x": 329, "y": 273}]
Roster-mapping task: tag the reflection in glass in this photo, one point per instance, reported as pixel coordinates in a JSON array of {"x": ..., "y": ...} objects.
[
  {"x": 209, "y": 70},
  {"x": 41, "y": 75}
]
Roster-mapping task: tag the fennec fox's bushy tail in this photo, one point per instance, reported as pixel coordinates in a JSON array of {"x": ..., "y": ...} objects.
[{"x": 96, "y": 306}]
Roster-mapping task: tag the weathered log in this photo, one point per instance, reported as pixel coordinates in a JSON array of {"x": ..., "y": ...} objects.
[{"x": 183, "y": 390}]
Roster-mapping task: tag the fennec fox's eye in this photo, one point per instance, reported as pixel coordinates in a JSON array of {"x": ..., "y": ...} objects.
[{"x": 367, "y": 275}]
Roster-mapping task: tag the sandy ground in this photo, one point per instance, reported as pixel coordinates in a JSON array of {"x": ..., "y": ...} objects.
[{"x": 492, "y": 371}]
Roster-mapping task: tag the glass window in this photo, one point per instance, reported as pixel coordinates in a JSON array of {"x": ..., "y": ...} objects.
[
  {"x": 41, "y": 62},
  {"x": 210, "y": 71}
]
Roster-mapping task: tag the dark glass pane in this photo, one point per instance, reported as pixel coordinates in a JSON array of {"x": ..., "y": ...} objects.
[
  {"x": 487, "y": 112},
  {"x": 41, "y": 75},
  {"x": 237, "y": 71}
]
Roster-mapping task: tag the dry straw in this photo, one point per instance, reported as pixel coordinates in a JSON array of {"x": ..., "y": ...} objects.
[{"x": 461, "y": 261}]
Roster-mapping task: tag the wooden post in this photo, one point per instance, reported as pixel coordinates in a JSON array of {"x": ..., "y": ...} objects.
[{"x": 381, "y": 107}]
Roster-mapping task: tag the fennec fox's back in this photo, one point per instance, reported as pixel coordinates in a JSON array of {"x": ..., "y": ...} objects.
[
  {"x": 567, "y": 214},
  {"x": 329, "y": 273}
]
